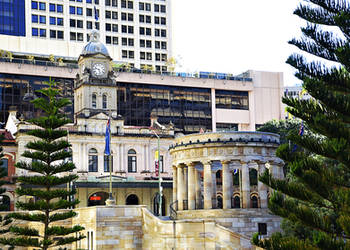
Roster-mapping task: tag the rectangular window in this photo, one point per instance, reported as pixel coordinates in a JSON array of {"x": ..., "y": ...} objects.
[
  {"x": 163, "y": 20},
  {"x": 157, "y": 44},
  {"x": 163, "y": 33},
  {"x": 115, "y": 27},
  {"x": 131, "y": 54},
  {"x": 142, "y": 43},
  {"x": 52, "y": 20},
  {"x": 157, "y": 57},
  {"x": 149, "y": 56},
  {"x": 34, "y": 5},
  {"x": 108, "y": 40},
  {"x": 114, "y": 15},
  {"x": 79, "y": 10},
  {"x": 42, "y": 6},
  {"x": 131, "y": 29},
  {"x": 42, "y": 32},
  {"x": 59, "y": 21},
  {"x": 148, "y": 7},
  {"x": 73, "y": 36},
  {"x": 132, "y": 164},
  {"x": 163, "y": 45},
  {"x": 42, "y": 19},
  {"x": 262, "y": 228},
  {"x": 130, "y": 4},
  {"x": 115, "y": 40},
  {"x": 52, "y": 33},
  {"x": 123, "y": 16},
  {"x": 97, "y": 1},
  {"x": 34, "y": 18},
  {"x": 141, "y": 18},
  {"x": 88, "y": 1},
  {"x": 72, "y": 23},
  {"x": 88, "y": 12},
  {"x": 141, "y": 6},
  {"x": 148, "y": 32},
  {"x": 107, "y": 2},
  {"x": 231, "y": 99},
  {"x": 4, "y": 165},
  {"x": 124, "y": 41},
  {"x": 59, "y": 8},
  {"x": 124, "y": 54},
  {"x": 80, "y": 24},
  {"x": 149, "y": 44},
  {"x": 156, "y": 20},
  {"x": 156, "y": 32},
  {"x": 92, "y": 163},
  {"x": 130, "y": 41},
  {"x": 162, "y": 8},
  {"x": 89, "y": 25},
  {"x": 52, "y": 7},
  {"x": 60, "y": 34},
  {"x": 35, "y": 32},
  {"x": 114, "y": 3},
  {"x": 71, "y": 10},
  {"x": 80, "y": 37},
  {"x": 164, "y": 57},
  {"x": 108, "y": 27},
  {"x": 108, "y": 14},
  {"x": 130, "y": 17},
  {"x": 142, "y": 30},
  {"x": 142, "y": 55},
  {"x": 156, "y": 8},
  {"x": 124, "y": 29},
  {"x": 123, "y": 3}
]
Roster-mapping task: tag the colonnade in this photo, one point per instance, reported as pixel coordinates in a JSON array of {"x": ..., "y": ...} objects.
[{"x": 188, "y": 187}]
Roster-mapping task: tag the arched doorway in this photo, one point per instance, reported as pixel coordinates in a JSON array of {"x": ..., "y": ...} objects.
[
  {"x": 5, "y": 203},
  {"x": 219, "y": 202},
  {"x": 156, "y": 205},
  {"x": 236, "y": 202},
  {"x": 98, "y": 199},
  {"x": 132, "y": 199}
]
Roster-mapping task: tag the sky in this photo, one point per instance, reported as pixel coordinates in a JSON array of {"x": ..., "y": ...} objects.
[{"x": 233, "y": 36}]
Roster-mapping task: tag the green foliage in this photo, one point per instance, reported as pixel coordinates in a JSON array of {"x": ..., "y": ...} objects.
[
  {"x": 317, "y": 195},
  {"x": 47, "y": 155}
]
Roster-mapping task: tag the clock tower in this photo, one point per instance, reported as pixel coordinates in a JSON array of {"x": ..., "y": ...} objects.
[{"x": 95, "y": 86}]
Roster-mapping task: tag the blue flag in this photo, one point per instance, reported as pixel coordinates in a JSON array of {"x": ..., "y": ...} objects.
[
  {"x": 96, "y": 14},
  {"x": 108, "y": 138},
  {"x": 235, "y": 171}
]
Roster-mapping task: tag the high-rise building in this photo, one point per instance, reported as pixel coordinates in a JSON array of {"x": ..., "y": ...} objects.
[{"x": 137, "y": 32}]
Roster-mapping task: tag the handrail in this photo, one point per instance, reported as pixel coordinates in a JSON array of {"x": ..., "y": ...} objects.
[
  {"x": 39, "y": 62},
  {"x": 173, "y": 209}
]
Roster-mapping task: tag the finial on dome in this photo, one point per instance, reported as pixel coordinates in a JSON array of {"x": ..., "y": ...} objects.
[
  {"x": 94, "y": 46},
  {"x": 94, "y": 36}
]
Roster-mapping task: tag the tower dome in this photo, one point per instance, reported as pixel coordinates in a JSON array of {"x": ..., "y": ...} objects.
[{"x": 94, "y": 46}]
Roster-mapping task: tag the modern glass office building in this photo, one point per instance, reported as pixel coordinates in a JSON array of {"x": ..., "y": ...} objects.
[{"x": 12, "y": 17}]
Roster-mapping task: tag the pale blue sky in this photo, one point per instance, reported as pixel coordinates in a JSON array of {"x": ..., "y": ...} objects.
[{"x": 233, "y": 36}]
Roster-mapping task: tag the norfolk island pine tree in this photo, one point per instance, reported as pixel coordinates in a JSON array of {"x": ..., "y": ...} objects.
[
  {"x": 318, "y": 196},
  {"x": 48, "y": 153}
]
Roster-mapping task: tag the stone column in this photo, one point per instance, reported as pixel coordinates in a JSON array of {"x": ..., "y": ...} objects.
[
  {"x": 185, "y": 184},
  {"x": 174, "y": 183},
  {"x": 214, "y": 200},
  {"x": 191, "y": 186},
  {"x": 198, "y": 188},
  {"x": 245, "y": 186},
  {"x": 226, "y": 185},
  {"x": 208, "y": 185},
  {"x": 262, "y": 188},
  {"x": 180, "y": 187}
]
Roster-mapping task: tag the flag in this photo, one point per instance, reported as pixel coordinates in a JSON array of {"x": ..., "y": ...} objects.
[
  {"x": 108, "y": 138},
  {"x": 96, "y": 13},
  {"x": 235, "y": 171}
]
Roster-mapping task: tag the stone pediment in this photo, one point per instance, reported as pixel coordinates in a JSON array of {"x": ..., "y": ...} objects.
[{"x": 100, "y": 116}]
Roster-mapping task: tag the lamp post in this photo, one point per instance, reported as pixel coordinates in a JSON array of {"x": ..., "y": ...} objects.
[{"x": 159, "y": 177}]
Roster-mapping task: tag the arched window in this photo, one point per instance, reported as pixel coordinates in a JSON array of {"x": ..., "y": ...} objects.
[
  {"x": 5, "y": 203},
  {"x": 235, "y": 177},
  {"x": 219, "y": 201},
  {"x": 132, "y": 199},
  {"x": 218, "y": 177},
  {"x": 93, "y": 101},
  {"x": 254, "y": 202},
  {"x": 132, "y": 167},
  {"x": 106, "y": 162},
  {"x": 93, "y": 160},
  {"x": 236, "y": 202},
  {"x": 253, "y": 177},
  {"x": 104, "y": 101},
  {"x": 4, "y": 165}
]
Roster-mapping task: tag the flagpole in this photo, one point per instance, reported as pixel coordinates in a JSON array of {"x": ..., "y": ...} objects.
[{"x": 111, "y": 200}]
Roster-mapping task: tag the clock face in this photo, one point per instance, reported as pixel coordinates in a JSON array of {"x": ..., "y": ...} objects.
[{"x": 98, "y": 69}]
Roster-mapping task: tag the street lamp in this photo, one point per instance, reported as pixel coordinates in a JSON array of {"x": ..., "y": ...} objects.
[{"x": 160, "y": 178}]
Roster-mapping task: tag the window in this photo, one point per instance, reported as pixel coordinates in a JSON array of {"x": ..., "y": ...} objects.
[
  {"x": 141, "y": 18},
  {"x": 156, "y": 32},
  {"x": 42, "y": 32},
  {"x": 142, "y": 30},
  {"x": 60, "y": 34},
  {"x": 123, "y": 3},
  {"x": 52, "y": 7},
  {"x": 130, "y": 4},
  {"x": 114, "y": 15},
  {"x": 89, "y": 25},
  {"x": 34, "y": 5},
  {"x": 93, "y": 160},
  {"x": 130, "y": 17},
  {"x": 124, "y": 54},
  {"x": 131, "y": 54},
  {"x": 142, "y": 43},
  {"x": 156, "y": 8},
  {"x": 148, "y": 44},
  {"x": 262, "y": 228},
  {"x": 4, "y": 165},
  {"x": 162, "y": 8},
  {"x": 108, "y": 14},
  {"x": 89, "y": 12},
  {"x": 127, "y": 41},
  {"x": 104, "y": 101},
  {"x": 254, "y": 202},
  {"x": 148, "y": 7},
  {"x": 72, "y": 22},
  {"x": 35, "y": 19},
  {"x": 56, "y": 34},
  {"x": 157, "y": 57},
  {"x": 235, "y": 177},
  {"x": 52, "y": 33},
  {"x": 73, "y": 36},
  {"x": 52, "y": 20},
  {"x": 93, "y": 101},
  {"x": 163, "y": 33},
  {"x": 157, "y": 44},
  {"x": 79, "y": 11},
  {"x": 148, "y": 19},
  {"x": 115, "y": 40},
  {"x": 163, "y": 45},
  {"x": 97, "y": 1},
  {"x": 88, "y": 1},
  {"x": 114, "y": 3},
  {"x": 253, "y": 177},
  {"x": 163, "y": 20},
  {"x": 115, "y": 27},
  {"x": 107, "y": 2},
  {"x": 79, "y": 23},
  {"x": 142, "y": 55},
  {"x": 107, "y": 163},
  {"x": 108, "y": 27},
  {"x": 148, "y": 32},
  {"x": 35, "y": 32},
  {"x": 71, "y": 10},
  {"x": 130, "y": 29},
  {"x": 132, "y": 168},
  {"x": 124, "y": 29},
  {"x": 149, "y": 56},
  {"x": 123, "y": 17},
  {"x": 59, "y": 8},
  {"x": 108, "y": 40},
  {"x": 156, "y": 20},
  {"x": 141, "y": 6},
  {"x": 42, "y": 6},
  {"x": 226, "y": 99},
  {"x": 236, "y": 202},
  {"x": 42, "y": 19},
  {"x": 164, "y": 57}
]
